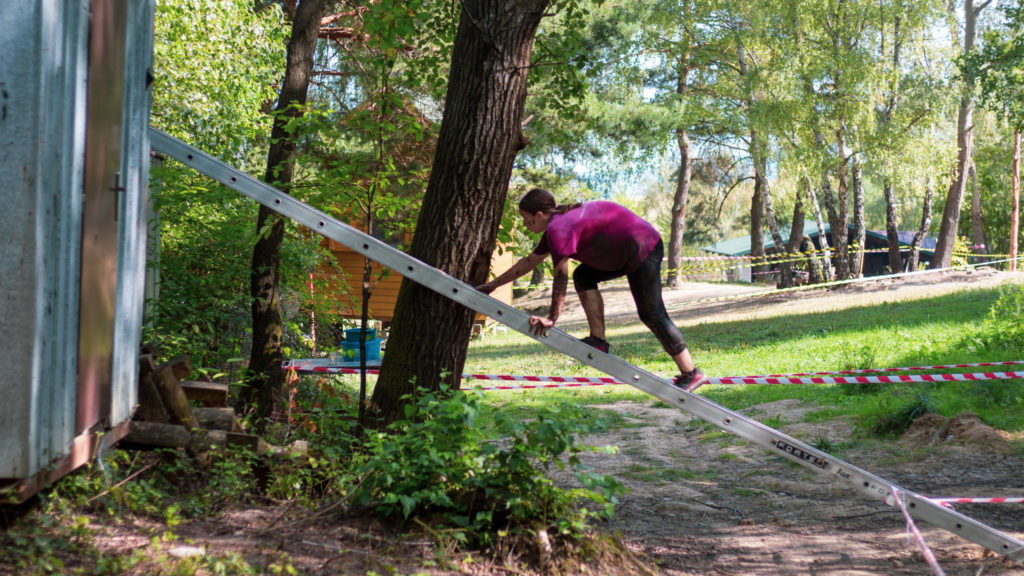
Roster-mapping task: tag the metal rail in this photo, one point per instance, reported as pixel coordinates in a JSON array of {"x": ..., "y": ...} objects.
[{"x": 774, "y": 441}]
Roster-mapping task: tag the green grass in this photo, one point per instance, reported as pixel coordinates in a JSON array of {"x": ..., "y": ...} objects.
[{"x": 927, "y": 331}]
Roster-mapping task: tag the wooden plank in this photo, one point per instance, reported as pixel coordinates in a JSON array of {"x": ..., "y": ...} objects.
[
  {"x": 217, "y": 419},
  {"x": 151, "y": 406},
  {"x": 181, "y": 365},
  {"x": 254, "y": 443},
  {"x": 210, "y": 394},
  {"x": 156, "y": 435},
  {"x": 174, "y": 398}
]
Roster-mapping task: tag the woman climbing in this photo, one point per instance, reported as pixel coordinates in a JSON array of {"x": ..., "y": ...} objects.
[{"x": 609, "y": 241}]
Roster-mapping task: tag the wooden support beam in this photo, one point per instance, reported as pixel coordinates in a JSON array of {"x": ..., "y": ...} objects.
[
  {"x": 156, "y": 435},
  {"x": 173, "y": 397},
  {"x": 209, "y": 394},
  {"x": 151, "y": 406},
  {"x": 181, "y": 365},
  {"x": 217, "y": 419}
]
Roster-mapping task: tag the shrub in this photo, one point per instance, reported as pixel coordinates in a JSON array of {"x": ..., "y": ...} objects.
[
  {"x": 482, "y": 481},
  {"x": 1004, "y": 327}
]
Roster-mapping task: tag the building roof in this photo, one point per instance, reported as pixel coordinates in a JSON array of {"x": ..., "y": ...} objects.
[
  {"x": 906, "y": 237},
  {"x": 740, "y": 246}
]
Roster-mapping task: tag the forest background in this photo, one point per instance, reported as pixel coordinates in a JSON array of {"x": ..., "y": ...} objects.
[{"x": 709, "y": 119}]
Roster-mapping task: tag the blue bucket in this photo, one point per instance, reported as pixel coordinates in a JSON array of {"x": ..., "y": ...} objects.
[
  {"x": 351, "y": 349},
  {"x": 352, "y": 334}
]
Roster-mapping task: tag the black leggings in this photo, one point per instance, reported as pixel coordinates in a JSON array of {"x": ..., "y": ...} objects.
[{"x": 645, "y": 285}]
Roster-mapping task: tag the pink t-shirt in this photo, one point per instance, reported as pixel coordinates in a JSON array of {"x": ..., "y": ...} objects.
[{"x": 603, "y": 235}]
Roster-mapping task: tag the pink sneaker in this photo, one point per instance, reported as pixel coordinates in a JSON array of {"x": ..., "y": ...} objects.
[
  {"x": 598, "y": 343},
  {"x": 690, "y": 381}
]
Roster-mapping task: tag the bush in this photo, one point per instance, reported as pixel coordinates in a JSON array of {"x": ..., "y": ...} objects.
[
  {"x": 483, "y": 482},
  {"x": 1004, "y": 327}
]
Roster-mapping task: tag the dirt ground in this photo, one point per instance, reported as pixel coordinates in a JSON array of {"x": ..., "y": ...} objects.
[{"x": 701, "y": 502}]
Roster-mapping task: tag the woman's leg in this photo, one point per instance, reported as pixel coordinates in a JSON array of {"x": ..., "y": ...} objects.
[
  {"x": 645, "y": 285},
  {"x": 585, "y": 280},
  {"x": 593, "y": 308}
]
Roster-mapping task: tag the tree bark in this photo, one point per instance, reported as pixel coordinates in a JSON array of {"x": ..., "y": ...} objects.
[
  {"x": 757, "y": 265},
  {"x": 892, "y": 223},
  {"x": 977, "y": 222},
  {"x": 1015, "y": 202},
  {"x": 965, "y": 150},
  {"x": 859, "y": 226},
  {"x": 813, "y": 264},
  {"x": 536, "y": 277},
  {"x": 922, "y": 230},
  {"x": 761, "y": 185},
  {"x": 796, "y": 236},
  {"x": 841, "y": 225},
  {"x": 458, "y": 224},
  {"x": 826, "y": 262},
  {"x": 766, "y": 194},
  {"x": 267, "y": 376},
  {"x": 892, "y": 214},
  {"x": 678, "y": 226}
]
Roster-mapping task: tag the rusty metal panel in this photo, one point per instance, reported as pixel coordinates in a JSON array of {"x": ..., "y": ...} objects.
[{"x": 104, "y": 184}]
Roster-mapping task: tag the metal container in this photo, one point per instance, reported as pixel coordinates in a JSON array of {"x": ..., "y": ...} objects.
[{"x": 74, "y": 109}]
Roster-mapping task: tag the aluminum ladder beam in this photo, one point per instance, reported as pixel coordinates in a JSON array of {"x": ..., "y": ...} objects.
[{"x": 774, "y": 441}]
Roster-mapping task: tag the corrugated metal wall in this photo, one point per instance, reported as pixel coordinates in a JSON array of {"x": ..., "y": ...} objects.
[
  {"x": 42, "y": 126},
  {"x": 131, "y": 281},
  {"x": 43, "y": 87}
]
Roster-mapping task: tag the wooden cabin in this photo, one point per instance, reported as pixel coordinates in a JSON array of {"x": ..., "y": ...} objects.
[{"x": 348, "y": 284}]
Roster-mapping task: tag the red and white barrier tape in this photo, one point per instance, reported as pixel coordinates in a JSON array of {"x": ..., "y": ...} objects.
[
  {"x": 867, "y": 379},
  {"x": 912, "y": 528},
  {"x": 903, "y": 369},
  {"x": 578, "y": 381}
]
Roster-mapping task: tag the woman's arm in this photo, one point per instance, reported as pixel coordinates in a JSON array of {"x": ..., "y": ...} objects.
[
  {"x": 538, "y": 324},
  {"x": 522, "y": 267}
]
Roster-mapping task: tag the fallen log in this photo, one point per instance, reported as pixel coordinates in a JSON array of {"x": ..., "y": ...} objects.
[
  {"x": 148, "y": 435},
  {"x": 217, "y": 419}
]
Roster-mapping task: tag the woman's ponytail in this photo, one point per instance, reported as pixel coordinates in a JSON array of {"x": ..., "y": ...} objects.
[{"x": 541, "y": 200}]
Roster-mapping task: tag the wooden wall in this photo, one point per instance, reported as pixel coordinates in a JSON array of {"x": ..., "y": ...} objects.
[{"x": 382, "y": 302}]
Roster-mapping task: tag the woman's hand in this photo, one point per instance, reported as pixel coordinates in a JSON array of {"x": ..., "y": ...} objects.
[{"x": 539, "y": 325}]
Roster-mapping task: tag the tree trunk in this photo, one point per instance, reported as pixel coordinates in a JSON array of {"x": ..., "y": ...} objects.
[
  {"x": 458, "y": 224},
  {"x": 859, "y": 227},
  {"x": 678, "y": 226},
  {"x": 757, "y": 265},
  {"x": 922, "y": 230},
  {"x": 965, "y": 148},
  {"x": 813, "y": 264},
  {"x": 841, "y": 225},
  {"x": 1015, "y": 202},
  {"x": 826, "y": 262},
  {"x": 977, "y": 222},
  {"x": 536, "y": 277},
  {"x": 766, "y": 193},
  {"x": 796, "y": 236},
  {"x": 892, "y": 213},
  {"x": 267, "y": 377},
  {"x": 892, "y": 224},
  {"x": 761, "y": 186}
]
